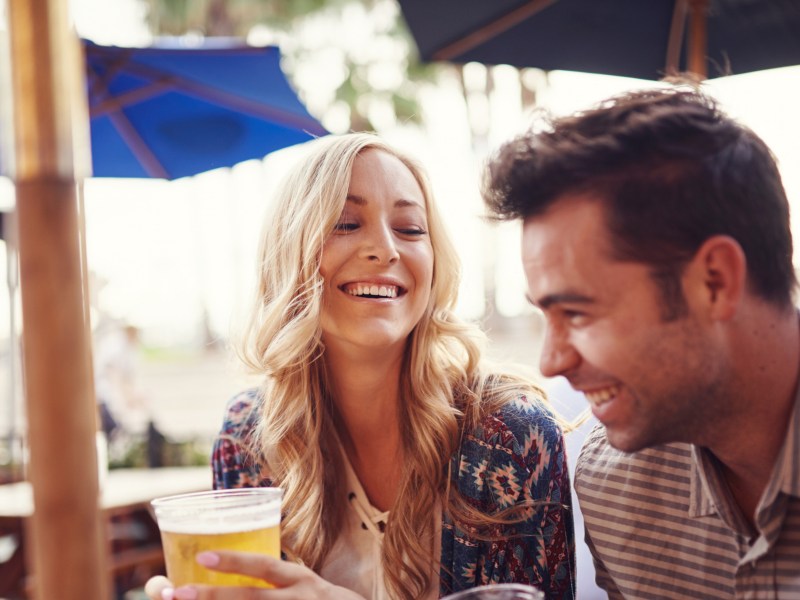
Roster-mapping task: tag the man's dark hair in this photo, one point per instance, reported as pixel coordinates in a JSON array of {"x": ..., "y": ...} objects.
[{"x": 672, "y": 170}]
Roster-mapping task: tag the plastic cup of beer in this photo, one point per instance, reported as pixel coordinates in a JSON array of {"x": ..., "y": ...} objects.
[
  {"x": 500, "y": 591},
  {"x": 243, "y": 519}
]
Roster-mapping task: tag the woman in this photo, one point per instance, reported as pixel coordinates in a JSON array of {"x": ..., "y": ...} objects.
[{"x": 409, "y": 469}]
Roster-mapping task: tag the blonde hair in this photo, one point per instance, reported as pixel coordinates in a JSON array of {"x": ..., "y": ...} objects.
[{"x": 444, "y": 384}]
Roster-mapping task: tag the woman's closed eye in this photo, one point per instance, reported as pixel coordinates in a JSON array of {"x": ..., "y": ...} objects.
[
  {"x": 349, "y": 227},
  {"x": 345, "y": 227},
  {"x": 411, "y": 230}
]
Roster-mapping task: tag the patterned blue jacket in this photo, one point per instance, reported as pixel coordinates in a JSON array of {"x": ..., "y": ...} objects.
[{"x": 514, "y": 456}]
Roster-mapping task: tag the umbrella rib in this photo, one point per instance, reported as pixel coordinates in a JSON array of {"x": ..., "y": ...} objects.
[
  {"x": 491, "y": 30},
  {"x": 100, "y": 82},
  {"x": 148, "y": 160},
  {"x": 244, "y": 105},
  {"x": 226, "y": 99},
  {"x": 115, "y": 103}
]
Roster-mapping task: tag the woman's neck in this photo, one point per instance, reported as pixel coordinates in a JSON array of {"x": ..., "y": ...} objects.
[
  {"x": 365, "y": 389},
  {"x": 366, "y": 396}
]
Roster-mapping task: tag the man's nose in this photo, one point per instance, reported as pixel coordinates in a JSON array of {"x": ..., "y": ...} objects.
[
  {"x": 380, "y": 245},
  {"x": 559, "y": 357}
]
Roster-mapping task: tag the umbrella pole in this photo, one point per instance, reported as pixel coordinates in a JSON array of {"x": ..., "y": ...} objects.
[
  {"x": 698, "y": 37},
  {"x": 675, "y": 38},
  {"x": 66, "y": 533}
]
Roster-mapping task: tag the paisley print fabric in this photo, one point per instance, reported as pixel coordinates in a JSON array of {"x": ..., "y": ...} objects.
[{"x": 514, "y": 458}]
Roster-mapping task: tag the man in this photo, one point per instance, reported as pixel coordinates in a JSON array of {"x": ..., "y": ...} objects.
[{"x": 656, "y": 242}]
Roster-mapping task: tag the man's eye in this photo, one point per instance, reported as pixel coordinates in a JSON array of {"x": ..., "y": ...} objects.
[
  {"x": 574, "y": 316},
  {"x": 345, "y": 227}
]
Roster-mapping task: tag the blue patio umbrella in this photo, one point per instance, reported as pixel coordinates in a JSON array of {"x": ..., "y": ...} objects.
[{"x": 167, "y": 111}]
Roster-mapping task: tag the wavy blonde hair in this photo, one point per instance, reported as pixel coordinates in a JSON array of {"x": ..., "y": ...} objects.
[{"x": 445, "y": 386}]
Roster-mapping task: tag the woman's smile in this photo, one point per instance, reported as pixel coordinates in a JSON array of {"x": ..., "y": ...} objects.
[{"x": 378, "y": 261}]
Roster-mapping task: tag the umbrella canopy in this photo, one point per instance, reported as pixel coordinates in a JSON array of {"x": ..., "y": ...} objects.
[
  {"x": 167, "y": 112},
  {"x": 630, "y": 38}
]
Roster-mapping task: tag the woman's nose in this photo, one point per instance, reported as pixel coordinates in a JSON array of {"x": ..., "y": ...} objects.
[
  {"x": 559, "y": 357},
  {"x": 380, "y": 246}
]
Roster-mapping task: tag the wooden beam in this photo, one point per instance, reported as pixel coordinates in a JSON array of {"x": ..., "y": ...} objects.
[
  {"x": 676, "y": 34},
  {"x": 698, "y": 38},
  {"x": 51, "y": 150}
]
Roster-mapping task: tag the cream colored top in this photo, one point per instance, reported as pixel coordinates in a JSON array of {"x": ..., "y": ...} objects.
[{"x": 354, "y": 562}]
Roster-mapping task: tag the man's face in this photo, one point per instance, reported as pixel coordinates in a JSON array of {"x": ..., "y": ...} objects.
[{"x": 648, "y": 381}]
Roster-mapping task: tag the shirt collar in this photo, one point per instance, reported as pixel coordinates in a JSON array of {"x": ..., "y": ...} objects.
[
  {"x": 705, "y": 484},
  {"x": 787, "y": 467},
  {"x": 702, "y": 484}
]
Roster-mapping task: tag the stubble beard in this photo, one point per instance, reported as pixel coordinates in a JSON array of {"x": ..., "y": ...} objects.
[{"x": 690, "y": 395}]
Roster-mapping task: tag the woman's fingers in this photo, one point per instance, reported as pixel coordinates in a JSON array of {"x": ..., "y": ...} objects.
[
  {"x": 291, "y": 581},
  {"x": 278, "y": 572},
  {"x": 155, "y": 586},
  {"x": 301, "y": 591}
]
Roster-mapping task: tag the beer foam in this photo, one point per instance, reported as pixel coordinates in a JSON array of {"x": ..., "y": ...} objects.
[
  {"x": 216, "y": 525},
  {"x": 222, "y": 518}
]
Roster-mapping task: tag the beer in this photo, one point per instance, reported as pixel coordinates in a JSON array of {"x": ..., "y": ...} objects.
[
  {"x": 181, "y": 548},
  {"x": 246, "y": 520}
]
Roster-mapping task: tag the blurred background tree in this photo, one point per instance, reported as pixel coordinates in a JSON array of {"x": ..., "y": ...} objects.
[{"x": 372, "y": 68}]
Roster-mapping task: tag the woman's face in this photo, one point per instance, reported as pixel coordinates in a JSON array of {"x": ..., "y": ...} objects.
[{"x": 377, "y": 264}]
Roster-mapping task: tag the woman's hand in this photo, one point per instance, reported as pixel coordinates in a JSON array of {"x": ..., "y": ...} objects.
[
  {"x": 291, "y": 581},
  {"x": 155, "y": 586}
]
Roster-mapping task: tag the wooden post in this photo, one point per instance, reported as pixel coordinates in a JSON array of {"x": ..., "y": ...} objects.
[
  {"x": 698, "y": 38},
  {"x": 50, "y": 146},
  {"x": 675, "y": 41}
]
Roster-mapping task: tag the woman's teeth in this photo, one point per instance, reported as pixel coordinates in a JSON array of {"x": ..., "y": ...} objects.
[{"x": 383, "y": 291}]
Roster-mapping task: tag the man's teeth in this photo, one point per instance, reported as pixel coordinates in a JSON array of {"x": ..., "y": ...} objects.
[
  {"x": 385, "y": 291},
  {"x": 600, "y": 397}
]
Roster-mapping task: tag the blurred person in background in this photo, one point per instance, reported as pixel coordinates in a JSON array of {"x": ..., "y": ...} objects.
[
  {"x": 656, "y": 241},
  {"x": 123, "y": 407},
  {"x": 410, "y": 467},
  {"x": 121, "y": 403}
]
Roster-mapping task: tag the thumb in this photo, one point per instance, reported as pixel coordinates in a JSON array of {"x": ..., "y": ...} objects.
[{"x": 155, "y": 586}]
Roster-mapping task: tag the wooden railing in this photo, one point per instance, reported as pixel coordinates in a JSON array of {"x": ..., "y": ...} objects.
[{"x": 133, "y": 538}]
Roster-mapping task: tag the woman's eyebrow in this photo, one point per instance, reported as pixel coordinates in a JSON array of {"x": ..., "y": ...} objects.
[
  {"x": 400, "y": 203},
  {"x": 403, "y": 203},
  {"x": 355, "y": 199}
]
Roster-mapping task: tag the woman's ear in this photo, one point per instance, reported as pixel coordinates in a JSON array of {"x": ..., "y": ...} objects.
[{"x": 717, "y": 276}]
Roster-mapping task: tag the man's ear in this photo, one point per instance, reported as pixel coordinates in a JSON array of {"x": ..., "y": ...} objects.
[{"x": 717, "y": 276}]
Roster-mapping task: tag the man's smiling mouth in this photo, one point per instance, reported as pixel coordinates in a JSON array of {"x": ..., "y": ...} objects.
[{"x": 600, "y": 396}]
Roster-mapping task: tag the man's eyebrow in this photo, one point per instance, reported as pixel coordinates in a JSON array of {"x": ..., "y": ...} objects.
[{"x": 546, "y": 302}]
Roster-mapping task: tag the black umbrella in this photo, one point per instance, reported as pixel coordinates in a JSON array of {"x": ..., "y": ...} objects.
[{"x": 631, "y": 38}]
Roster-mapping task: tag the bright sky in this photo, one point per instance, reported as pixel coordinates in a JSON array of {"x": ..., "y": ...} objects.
[{"x": 169, "y": 251}]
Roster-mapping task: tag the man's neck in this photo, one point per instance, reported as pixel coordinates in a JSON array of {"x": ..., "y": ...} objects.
[{"x": 768, "y": 378}]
